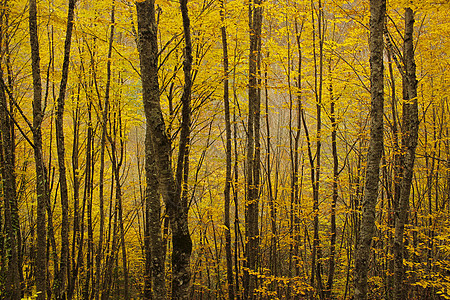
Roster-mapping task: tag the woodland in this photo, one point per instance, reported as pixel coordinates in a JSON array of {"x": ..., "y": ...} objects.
[{"x": 224, "y": 149}]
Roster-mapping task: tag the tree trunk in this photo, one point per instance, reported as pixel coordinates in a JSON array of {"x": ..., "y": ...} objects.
[
  {"x": 116, "y": 164},
  {"x": 410, "y": 128},
  {"x": 7, "y": 169},
  {"x": 60, "y": 281},
  {"x": 235, "y": 197},
  {"x": 253, "y": 159},
  {"x": 105, "y": 113},
  {"x": 41, "y": 192},
  {"x": 316, "y": 265},
  {"x": 86, "y": 268},
  {"x": 335, "y": 188},
  {"x": 376, "y": 46},
  {"x": 228, "y": 178},
  {"x": 76, "y": 191},
  {"x": 154, "y": 246},
  {"x": 182, "y": 243}
]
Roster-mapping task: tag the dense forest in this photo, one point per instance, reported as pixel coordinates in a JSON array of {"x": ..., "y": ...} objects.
[{"x": 224, "y": 149}]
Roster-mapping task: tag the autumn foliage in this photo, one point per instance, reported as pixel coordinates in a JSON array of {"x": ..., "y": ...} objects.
[{"x": 219, "y": 150}]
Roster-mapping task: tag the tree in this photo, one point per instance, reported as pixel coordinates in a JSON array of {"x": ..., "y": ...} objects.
[
  {"x": 228, "y": 179},
  {"x": 60, "y": 282},
  {"x": 410, "y": 129},
  {"x": 41, "y": 173},
  {"x": 253, "y": 152},
  {"x": 7, "y": 146},
  {"x": 376, "y": 45},
  {"x": 182, "y": 244}
]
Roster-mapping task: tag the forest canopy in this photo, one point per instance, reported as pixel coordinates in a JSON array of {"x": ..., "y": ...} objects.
[{"x": 224, "y": 149}]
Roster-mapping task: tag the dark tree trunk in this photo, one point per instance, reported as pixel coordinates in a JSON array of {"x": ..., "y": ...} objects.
[
  {"x": 316, "y": 265},
  {"x": 236, "y": 200},
  {"x": 154, "y": 246},
  {"x": 72, "y": 274},
  {"x": 228, "y": 178},
  {"x": 8, "y": 177},
  {"x": 335, "y": 188},
  {"x": 41, "y": 192},
  {"x": 410, "y": 127},
  {"x": 105, "y": 114},
  {"x": 60, "y": 281},
  {"x": 376, "y": 45},
  {"x": 116, "y": 165},
  {"x": 182, "y": 244},
  {"x": 253, "y": 159},
  {"x": 86, "y": 268},
  {"x": 393, "y": 197}
]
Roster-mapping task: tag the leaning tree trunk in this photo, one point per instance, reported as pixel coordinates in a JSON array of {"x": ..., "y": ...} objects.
[
  {"x": 41, "y": 191},
  {"x": 60, "y": 281},
  {"x": 228, "y": 178},
  {"x": 376, "y": 45},
  {"x": 181, "y": 240},
  {"x": 105, "y": 113},
  {"x": 410, "y": 129}
]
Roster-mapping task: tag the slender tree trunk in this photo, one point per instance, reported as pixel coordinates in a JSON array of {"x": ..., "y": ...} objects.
[
  {"x": 410, "y": 128},
  {"x": 393, "y": 197},
  {"x": 298, "y": 125},
  {"x": 60, "y": 282},
  {"x": 273, "y": 258},
  {"x": 253, "y": 160},
  {"x": 183, "y": 151},
  {"x": 51, "y": 241},
  {"x": 335, "y": 188},
  {"x": 293, "y": 156},
  {"x": 228, "y": 178},
  {"x": 236, "y": 200},
  {"x": 316, "y": 265},
  {"x": 116, "y": 168},
  {"x": 76, "y": 190},
  {"x": 182, "y": 243},
  {"x": 376, "y": 45},
  {"x": 111, "y": 256},
  {"x": 105, "y": 113},
  {"x": 87, "y": 207},
  {"x": 150, "y": 193},
  {"x": 41, "y": 192}
]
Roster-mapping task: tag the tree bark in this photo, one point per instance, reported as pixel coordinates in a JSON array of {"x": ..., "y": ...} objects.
[
  {"x": 7, "y": 169},
  {"x": 316, "y": 265},
  {"x": 335, "y": 187},
  {"x": 376, "y": 46},
  {"x": 181, "y": 240},
  {"x": 87, "y": 268},
  {"x": 60, "y": 282},
  {"x": 41, "y": 191},
  {"x": 410, "y": 129},
  {"x": 228, "y": 178},
  {"x": 117, "y": 155},
  {"x": 105, "y": 114},
  {"x": 253, "y": 159},
  {"x": 76, "y": 191},
  {"x": 183, "y": 151},
  {"x": 154, "y": 246}
]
